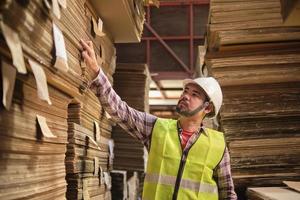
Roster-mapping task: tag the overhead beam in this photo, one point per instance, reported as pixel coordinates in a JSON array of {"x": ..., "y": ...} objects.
[
  {"x": 191, "y": 25},
  {"x": 163, "y": 108},
  {"x": 159, "y": 88},
  {"x": 184, "y": 37},
  {"x": 163, "y": 102},
  {"x": 148, "y": 47},
  {"x": 167, "y": 75},
  {"x": 183, "y": 2},
  {"x": 167, "y": 89},
  {"x": 168, "y": 48}
]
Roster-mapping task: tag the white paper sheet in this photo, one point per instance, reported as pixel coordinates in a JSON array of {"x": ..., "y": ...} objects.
[
  {"x": 107, "y": 180},
  {"x": 41, "y": 81},
  {"x": 97, "y": 131},
  {"x": 111, "y": 145},
  {"x": 14, "y": 44},
  {"x": 61, "y": 62},
  {"x": 8, "y": 83}
]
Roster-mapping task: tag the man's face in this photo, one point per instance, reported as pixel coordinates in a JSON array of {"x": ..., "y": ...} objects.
[{"x": 191, "y": 98}]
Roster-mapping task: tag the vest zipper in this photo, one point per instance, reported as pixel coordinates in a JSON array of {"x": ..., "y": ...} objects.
[
  {"x": 179, "y": 174},
  {"x": 182, "y": 163}
]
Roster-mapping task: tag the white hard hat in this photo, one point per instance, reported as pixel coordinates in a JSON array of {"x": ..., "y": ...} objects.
[{"x": 212, "y": 89}]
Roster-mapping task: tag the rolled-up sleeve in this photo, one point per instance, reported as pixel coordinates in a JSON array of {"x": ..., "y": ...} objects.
[{"x": 136, "y": 123}]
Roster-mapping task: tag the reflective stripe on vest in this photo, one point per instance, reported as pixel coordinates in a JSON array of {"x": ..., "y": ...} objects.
[
  {"x": 164, "y": 160},
  {"x": 185, "y": 183}
]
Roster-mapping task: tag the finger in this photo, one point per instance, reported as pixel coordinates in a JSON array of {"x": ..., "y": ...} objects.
[
  {"x": 92, "y": 52},
  {"x": 85, "y": 56},
  {"x": 86, "y": 47},
  {"x": 80, "y": 48}
]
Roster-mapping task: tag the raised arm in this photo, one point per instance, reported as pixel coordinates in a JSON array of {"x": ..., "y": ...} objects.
[{"x": 138, "y": 124}]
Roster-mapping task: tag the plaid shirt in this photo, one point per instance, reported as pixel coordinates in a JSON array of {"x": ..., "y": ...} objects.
[{"x": 140, "y": 125}]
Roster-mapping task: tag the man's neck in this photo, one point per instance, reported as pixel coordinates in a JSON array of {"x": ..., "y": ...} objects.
[{"x": 190, "y": 124}]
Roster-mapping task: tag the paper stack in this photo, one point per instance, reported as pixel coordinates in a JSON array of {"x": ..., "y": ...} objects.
[
  {"x": 119, "y": 185},
  {"x": 124, "y": 19},
  {"x": 256, "y": 59},
  {"x": 85, "y": 164},
  {"x": 49, "y": 125},
  {"x": 33, "y": 144},
  {"x": 125, "y": 185},
  {"x": 132, "y": 85}
]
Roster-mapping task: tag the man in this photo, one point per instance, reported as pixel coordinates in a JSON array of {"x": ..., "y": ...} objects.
[{"x": 186, "y": 161}]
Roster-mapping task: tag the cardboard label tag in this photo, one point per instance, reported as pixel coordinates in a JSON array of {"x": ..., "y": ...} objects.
[
  {"x": 8, "y": 83},
  {"x": 97, "y": 132},
  {"x": 44, "y": 127},
  {"x": 61, "y": 62},
  {"x": 111, "y": 145},
  {"x": 93, "y": 141},
  {"x": 107, "y": 180},
  {"x": 97, "y": 27},
  {"x": 41, "y": 81},
  {"x": 14, "y": 44}
]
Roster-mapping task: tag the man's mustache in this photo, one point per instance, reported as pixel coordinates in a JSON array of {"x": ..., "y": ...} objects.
[{"x": 184, "y": 101}]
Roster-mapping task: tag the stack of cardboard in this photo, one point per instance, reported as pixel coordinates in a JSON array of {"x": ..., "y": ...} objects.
[
  {"x": 44, "y": 146},
  {"x": 124, "y": 19},
  {"x": 84, "y": 164},
  {"x": 125, "y": 185},
  {"x": 119, "y": 185},
  {"x": 87, "y": 153},
  {"x": 239, "y": 23},
  {"x": 132, "y": 85},
  {"x": 274, "y": 193},
  {"x": 256, "y": 59},
  {"x": 33, "y": 144}
]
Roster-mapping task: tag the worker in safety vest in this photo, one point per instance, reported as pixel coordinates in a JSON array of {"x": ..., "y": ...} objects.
[{"x": 186, "y": 160}]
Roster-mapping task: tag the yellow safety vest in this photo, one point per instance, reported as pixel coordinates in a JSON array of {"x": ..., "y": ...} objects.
[{"x": 173, "y": 174}]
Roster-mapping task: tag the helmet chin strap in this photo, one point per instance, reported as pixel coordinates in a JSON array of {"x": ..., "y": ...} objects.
[{"x": 193, "y": 112}]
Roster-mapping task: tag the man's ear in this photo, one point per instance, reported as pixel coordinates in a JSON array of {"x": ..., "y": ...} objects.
[{"x": 208, "y": 108}]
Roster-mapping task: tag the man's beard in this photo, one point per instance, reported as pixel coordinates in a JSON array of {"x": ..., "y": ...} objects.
[{"x": 189, "y": 113}]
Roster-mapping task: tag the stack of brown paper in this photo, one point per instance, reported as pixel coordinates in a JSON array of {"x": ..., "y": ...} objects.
[
  {"x": 85, "y": 162},
  {"x": 125, "y": 185},
  {"x": 124, "y": 19},
  {"x": 256, "y": 59},
  {"x": 87, "y": 157},
  {"x": 38, "y": 41},
  {"x": 271, "y": 193},
  {"x": 132, "y": 84},
  {"x": 48, "y": 146},
  {"x": 33, "y": 144},
  {"x": 119, "y": 184}
]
